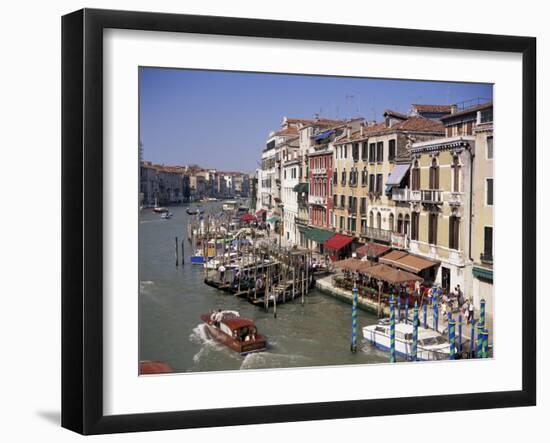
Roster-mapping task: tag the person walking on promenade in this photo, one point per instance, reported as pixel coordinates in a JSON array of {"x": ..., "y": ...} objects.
[
  {"x": 470, "y": 311},
  {"x": 221, "y": 270}
]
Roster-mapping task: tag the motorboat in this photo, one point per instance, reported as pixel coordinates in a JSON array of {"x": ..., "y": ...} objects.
[
  {"x": 159, "y": 209},
  {"x": 237, "y": 333},
  {"x": 431, "y": 345},
  {"x": 166, "y": 215}
]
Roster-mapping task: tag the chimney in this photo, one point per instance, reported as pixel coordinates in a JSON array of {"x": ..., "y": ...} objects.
[
  {"x": 453, "y": 109},
  {"x": 361, "y": 127},
  {"x": 348, "y": 132}
]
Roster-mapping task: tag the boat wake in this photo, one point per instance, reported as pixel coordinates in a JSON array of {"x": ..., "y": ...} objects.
[
  {"x": 266, "y": 359},
  {"x": 146, "y": 287}
]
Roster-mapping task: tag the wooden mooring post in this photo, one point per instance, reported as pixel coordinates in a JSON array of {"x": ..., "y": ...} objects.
[{"x": 177, "y": 253}]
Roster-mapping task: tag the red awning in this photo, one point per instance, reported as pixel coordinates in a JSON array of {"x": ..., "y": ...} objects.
[
  {"x": 338, "y": 241},
  {"x": 248, "y": 218},
  {"x": 261, "y": 211}
]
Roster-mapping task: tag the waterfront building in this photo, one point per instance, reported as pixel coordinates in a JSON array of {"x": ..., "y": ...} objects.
[
  {"x": 289, "y": 195},
  {"x": 482, "y": 220},
  {"x": 160, "y": 184},
  {"x": 442, "y": 197},
  {"x": 371, "y": 166}
]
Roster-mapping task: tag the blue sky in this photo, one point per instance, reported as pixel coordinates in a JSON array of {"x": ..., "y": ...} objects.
[{"x": 221, "y": 119}]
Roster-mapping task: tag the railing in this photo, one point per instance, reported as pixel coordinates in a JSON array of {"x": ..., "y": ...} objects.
[
  {"x": 377, "y": 233},
  {"x": 400, "y": 195},
  {"x": 316, "y": 200},
  {"x": 316, "y": 171},
  {"x": 431, "y": 196}
]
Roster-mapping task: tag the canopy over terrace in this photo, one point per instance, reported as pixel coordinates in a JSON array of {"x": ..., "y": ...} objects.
[
  {"x": 338, "y": 245},
  {"x": 353, "y": 265},
  {"x": 407, "y": 262},
  {"x": 391, "y": 275},
  {"x": 372, "y": 250}
]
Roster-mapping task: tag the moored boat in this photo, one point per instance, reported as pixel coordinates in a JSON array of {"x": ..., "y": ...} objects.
[
  {"x": 237, "y": 333},
  {"x": 432, "y": 345}
]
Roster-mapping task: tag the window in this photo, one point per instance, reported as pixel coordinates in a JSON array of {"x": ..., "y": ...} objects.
[
  {"x": 489, "y": 192},
  {"x": 342, "y": 223},
  {"x": 380, "y": 152},
  {"x": 400, "y": 223},
  {"x": 372, "y": 154},
  {"x": 414, "y": 225},
  {"x": 490, "y": 147},
  {"x": 407, "y": 226},
  {"x": 335, "y": 200},
  {"x": 346, "y": 151},
  {"x": 342, "y": 201},
  {"x": 434, "y": 175},
  {"x": 456, "y": 174},
  {"x": 350, "y": 203},
  {"x": 432, "y": 228},
  {"x": 486, "y": 115},
  {"x": 363, "y": 205},
  {"x": 454, "y": 224},
  {"x": 379, "y": 220},
  {"x": 371, "y": 219},
  {"x": 415, "y": 177},
  {"x": 335, "y": 177},
  {"x": 391, "y": 150},
  {"x": 371, "y": 182},
  {"x": 355, "y": 152},
  {"x": 364, "y": 151},
  {"x": 390, "y": 222},
  {"x": 379, "y": 183},
  {"x": 364, "y": 176},
  {"x": 284, "y": 174},
  {"x": 488, "y": 244}
]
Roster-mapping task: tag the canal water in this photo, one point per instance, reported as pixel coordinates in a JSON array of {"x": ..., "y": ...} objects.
[{"x": 171, "y": 300}]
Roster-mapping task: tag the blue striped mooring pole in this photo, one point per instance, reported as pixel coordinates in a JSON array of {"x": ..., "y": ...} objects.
[
  {"x": 392, "y": 330},
  {"x": 473, "y": 339},
  {"x": 435, "y": 310},
  {"x": 452, "y": 340},
  {"x": 480, "y": 327},
  {"x": 354, "y": 320},
  {"x": 398, "y": 307},
  {"x": 459, "y": 344},
  {"x": 425, "y": 315},
  {"x": 407, "y": 310},
  {"x": 485, "y": 345},
  {"x": 449, "y": 318},
  {"x": 482, "y": 311},
  {"x": 415, "y": 333}
]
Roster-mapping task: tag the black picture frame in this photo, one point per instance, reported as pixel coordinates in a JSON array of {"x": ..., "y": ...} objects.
[{"x": 82, "y": 215}]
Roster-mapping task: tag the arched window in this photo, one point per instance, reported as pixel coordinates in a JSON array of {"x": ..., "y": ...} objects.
[
  {"x": 400, "y": 223},
  {"x": 456, "y": 174},
  {"x": 415, "y": 177},
  {"x": 391, "y": 220},
  {"x": 407, "y": 224},
  {"x": 379, "y": 220},
  {"x": 364, "y": 176},
  {"x": 434, "y": 174},
  {"x": 371, "y": 219},
  {"x": 344, "y": 177}
]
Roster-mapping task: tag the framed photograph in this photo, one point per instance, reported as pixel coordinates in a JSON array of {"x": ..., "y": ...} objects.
[{"x": 269, "y": 221}]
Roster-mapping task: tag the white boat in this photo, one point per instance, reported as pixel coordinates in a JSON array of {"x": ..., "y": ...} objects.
[
  {"x": 230, "y": 205},
  {"x": 431, "y": 344},
  {"x": 166, "y": 215}
]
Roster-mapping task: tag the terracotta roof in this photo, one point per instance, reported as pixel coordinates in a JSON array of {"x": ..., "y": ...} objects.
[
  {"x": 412, "y": 124},
  {"x": 291, "y": 130},
  {"x": 468, "y": 111},
  {"x": 432, "y": 108},
  {"x": 304, "y": 121}
]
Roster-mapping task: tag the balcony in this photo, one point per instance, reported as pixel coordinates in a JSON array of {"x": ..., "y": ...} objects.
[
  {"x": 431, "y": 196},
  {"x": 317, "y": 200},
  {"x": 376, "y": 234},
  {"x": 319, "y": 171},
  {"x": 401, "y": 195}
]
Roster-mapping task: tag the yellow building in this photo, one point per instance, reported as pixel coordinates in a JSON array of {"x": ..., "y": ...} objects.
[
  {"x": 365, "y": 161},
  {"x": 446, "y": 202}
]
